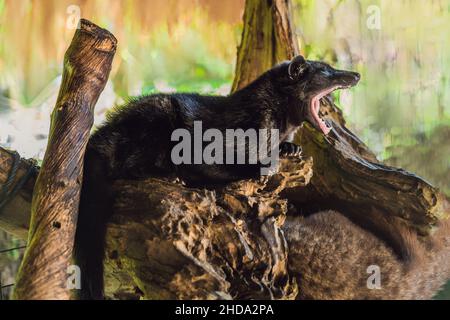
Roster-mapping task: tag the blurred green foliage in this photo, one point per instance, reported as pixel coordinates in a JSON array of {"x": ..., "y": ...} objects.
[
  {"x": 183, "y": 44},
  {"x": 402, "y": 105}
]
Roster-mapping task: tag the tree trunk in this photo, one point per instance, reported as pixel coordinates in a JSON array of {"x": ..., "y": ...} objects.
[
  {"x": 169, "y": 241},
  {"x": 268, "y": 38},
  {"x": 56, "y": 194}
]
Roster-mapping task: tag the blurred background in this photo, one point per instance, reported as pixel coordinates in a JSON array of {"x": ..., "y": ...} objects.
[{"x": 401, "y": 108}]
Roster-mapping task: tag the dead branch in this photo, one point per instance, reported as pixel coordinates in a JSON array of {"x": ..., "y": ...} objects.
[{"x": 56, "y": 194}]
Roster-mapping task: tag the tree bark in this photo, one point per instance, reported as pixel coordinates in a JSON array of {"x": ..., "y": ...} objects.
[
  {"x": 246, "y": 240},
  {"x": 15, "y": 216},
  {"x": 184, "y": 243},
  {"x": 167, "y": 241},
  {"x": 57, "y": 191},
  {"x": 268, "y": 38}
]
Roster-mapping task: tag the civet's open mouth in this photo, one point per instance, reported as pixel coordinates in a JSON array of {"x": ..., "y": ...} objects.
[
  {"x": 314, "y": 108},
  {"x": 342, "y": 80}
]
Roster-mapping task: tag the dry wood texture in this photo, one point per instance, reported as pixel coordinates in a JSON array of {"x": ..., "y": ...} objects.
[
  {"x": 57, "y": 191},
  {"x": 182, "y": 243},
  {"x": 15, "y": 216},
  {"x": 246, "y": 240},
  {"x": 169, "y": 241}
]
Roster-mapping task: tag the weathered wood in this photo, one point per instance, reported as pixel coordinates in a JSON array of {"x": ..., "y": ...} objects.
[
  {"x": 268, "y": 38},
  {"x": 15, "y": 216},
  {"x": 169, "y": 241},
  {"x": 56, "y": 195},
  {"x": 184, "y": 243},
  {"x": 344, "y": 179}
]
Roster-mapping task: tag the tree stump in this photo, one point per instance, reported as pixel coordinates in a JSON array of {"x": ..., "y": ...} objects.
[{"x": 56, "y": 194}]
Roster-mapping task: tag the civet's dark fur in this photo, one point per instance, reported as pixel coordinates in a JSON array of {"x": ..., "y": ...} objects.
[{"x": 136, "y": 143}]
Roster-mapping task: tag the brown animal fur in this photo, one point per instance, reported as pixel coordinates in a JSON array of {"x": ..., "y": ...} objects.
[{"x": 331, "y": 255}]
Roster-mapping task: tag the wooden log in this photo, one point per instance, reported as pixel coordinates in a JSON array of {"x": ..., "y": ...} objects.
[
  {"x": 169, "y": 241},
  {"x": 342, "y": 175},
  {"x": 183, "y": 243},
  {"x": 166, "y": 241},
  {"x": 56, "y": 195}
]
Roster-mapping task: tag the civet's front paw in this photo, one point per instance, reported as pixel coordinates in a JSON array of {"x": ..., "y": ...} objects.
[{"x": 290, "y": 149}]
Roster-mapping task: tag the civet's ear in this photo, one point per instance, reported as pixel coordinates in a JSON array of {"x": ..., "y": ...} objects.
[{"x": 296, "y": 67}]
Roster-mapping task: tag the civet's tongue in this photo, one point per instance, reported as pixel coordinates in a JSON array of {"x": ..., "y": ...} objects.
[{"x": 315, "y": 107}]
